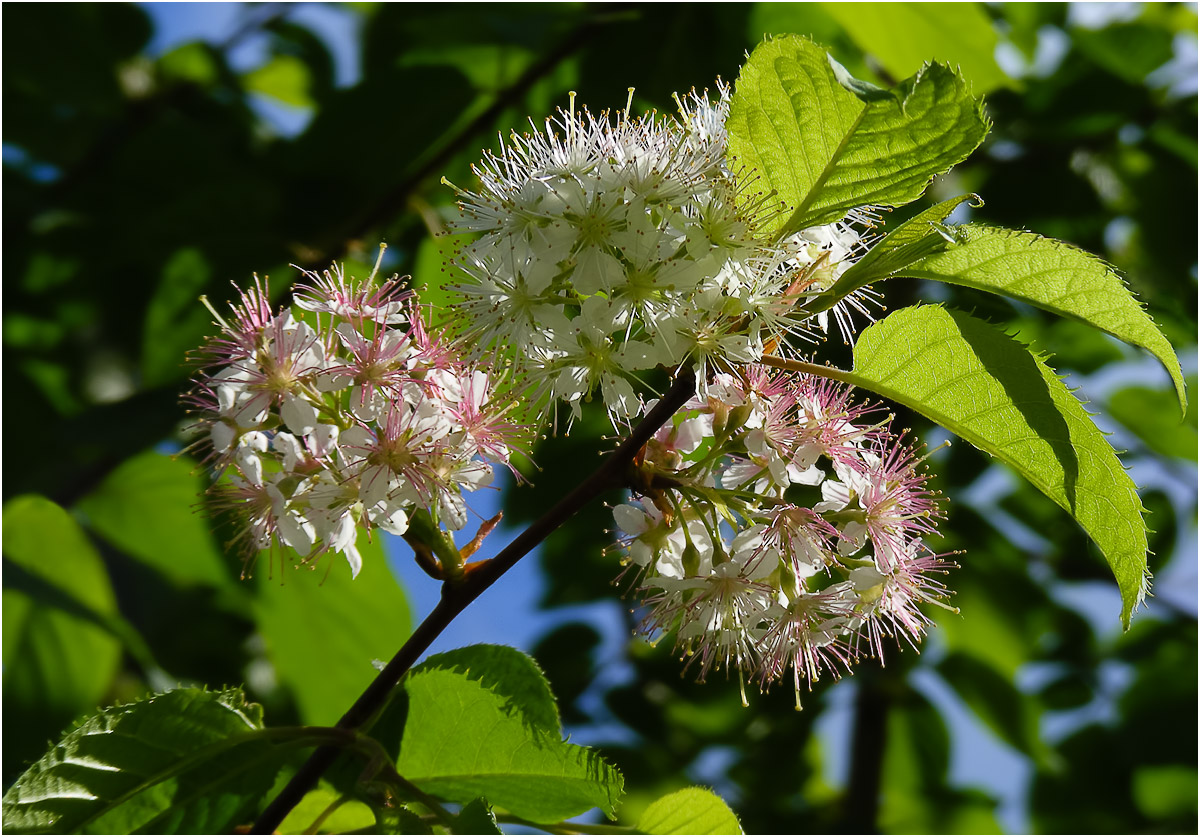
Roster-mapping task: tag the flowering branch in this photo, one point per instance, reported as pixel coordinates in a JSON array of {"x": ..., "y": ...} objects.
[{"x": 456, "y": 597}]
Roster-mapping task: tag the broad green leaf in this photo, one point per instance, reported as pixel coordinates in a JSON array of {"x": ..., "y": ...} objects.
[
  {"x": 146, "y": 508},
  {"x": 323, "y": 629},
  {"x": 59, "y": 656},
  {"x": 824, "y": 143},
  {"x": 284, "y": 77},
  {"x": 186, "y": 761},
  {"x": 463, "y": 739},
  {"x": 986, "y": 387},
  {"x": 916, "y": 238},
  {"x": 689, "y": 811},
  {"x": 903, "y": 36},
  {"x": 1051, "y": 275}
]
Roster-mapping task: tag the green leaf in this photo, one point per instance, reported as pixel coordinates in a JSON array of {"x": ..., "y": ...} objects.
[
  {"x": 284, "y": 77},
  {"x": 689, "y": 811},
  {"x": 184, "y": 761},
  {"x": 986, "y": 387},
  {"x": 1149, "y": 413},
  {"x": 335, "y": 813},
  {"x": 903, "y": 36},
  {"x": 1162, "y": 791},
  {"x": 146, "y": 509},
  {"x": 175, "y": 322},
  {"x": 476, "y": 817},
  {"x": 323, "y": 629},
  {"x": 824, "y": 143},
  {"x": 476, "y": 724},
  {"x": 1052, "y": 275},
  {"x": 59, "y": 656},
  {"x": 919, "y": 236}
]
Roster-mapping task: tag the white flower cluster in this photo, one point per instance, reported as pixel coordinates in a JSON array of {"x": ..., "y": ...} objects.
[
  {"x": 608, "y": 248},
  {"x": 344, "y": 413},
  {"x": 775, "y": 530}
]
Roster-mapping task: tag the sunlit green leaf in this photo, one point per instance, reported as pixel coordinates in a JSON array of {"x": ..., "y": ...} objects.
[
  {"x": 146, "y": 507},
  {"x": 1162, "y": 791},
  {"x": 186, "y": 761},
  {"x": 475, "y": 818},
  {"x": 824, "y": 143},
  {"x": 323, "y": 629},
  {"x": 517, "y": 759},
  {"x": 329, "y": 811},
  {"x": 1051, "y": 275},
  {"x": 689, "y": 811},
  {"x": 986, "y": 387},
  {"x": 903, "y": 36}
]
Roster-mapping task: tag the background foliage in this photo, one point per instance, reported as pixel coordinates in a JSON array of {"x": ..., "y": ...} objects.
[{"x": 133, "y": 182}]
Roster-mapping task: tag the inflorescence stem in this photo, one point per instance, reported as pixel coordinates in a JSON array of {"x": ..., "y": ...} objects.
[{"x": 456, "y": 597}]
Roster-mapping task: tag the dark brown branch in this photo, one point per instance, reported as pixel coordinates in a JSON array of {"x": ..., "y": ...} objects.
[{"x": 456, "y": 597}]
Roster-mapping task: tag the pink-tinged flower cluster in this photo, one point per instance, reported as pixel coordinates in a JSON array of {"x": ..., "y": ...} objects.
[
  {"x": 779, "y": 530},
  {"x": 342, "y": 413}
]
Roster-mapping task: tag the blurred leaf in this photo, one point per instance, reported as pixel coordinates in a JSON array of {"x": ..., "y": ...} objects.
[
  {"x": 146, "y": 508},
  {"x": 689, "y": 811},
  {"x": 185, "y": 761},
  {"x": 824, "y": 143},
  {"x": 1051, "y": 275},
  {"x": 324, "y": 629},
  {"x": 997, "y": 702},
  {"x": 1130, "y": 51},
  {"x": 349, "y": 815},
  {"x": 904, "y": 36},
  {"x": 176, "y": 322},
  {"x": 284, "y": 77},
  {"x": 192, "y": 62},
  {"x": 59, "y": 661},
  {"x": 1165, "y": 791},
  {"x": 987, "y": 388},
  {"x": 517, "y": 760},
  {"x": 1150, "y": 413}
]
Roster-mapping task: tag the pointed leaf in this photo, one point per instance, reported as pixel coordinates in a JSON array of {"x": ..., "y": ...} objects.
[
  {"x": 185, "y": 761},
  {"x": 824, "y": 143},
  {"x": 986, "y": 387},
  {"x": 689, "y": 811},
  {"x": 1052, "y": 275},
  {"x": 918, "y": 237},
  {"x": 475, "y": 725}
]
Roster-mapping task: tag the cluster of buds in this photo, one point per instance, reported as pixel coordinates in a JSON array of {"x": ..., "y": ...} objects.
[
  {"x": 776, "y": 528},
  {"x": 606, "y": 248},
  {"x": 339, "y": 413}
]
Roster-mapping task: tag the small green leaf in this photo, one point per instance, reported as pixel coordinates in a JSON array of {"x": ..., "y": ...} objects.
[
  {"x": 146, "y": 508},
  {"x": 463, "y": 739},
  {"x": 824, "y": 143},
  {"x": 330, "y": 812},
  {"x": 903, "y": 36},
  {"x": 986, "y": 387},
  {"x": 1150, "y": 414},
  {"x": 689, "y": 811},
  {"x": 284, "y": 77},
  {"x": 476, "y": 817},
  {"x": 1163, "y": 791},
  {"x": 187, "y": 761},
  {"x": 175, "y": 321},
  {"x": 1051, "y": 275},
  {"x": 323, "y": 629}
]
